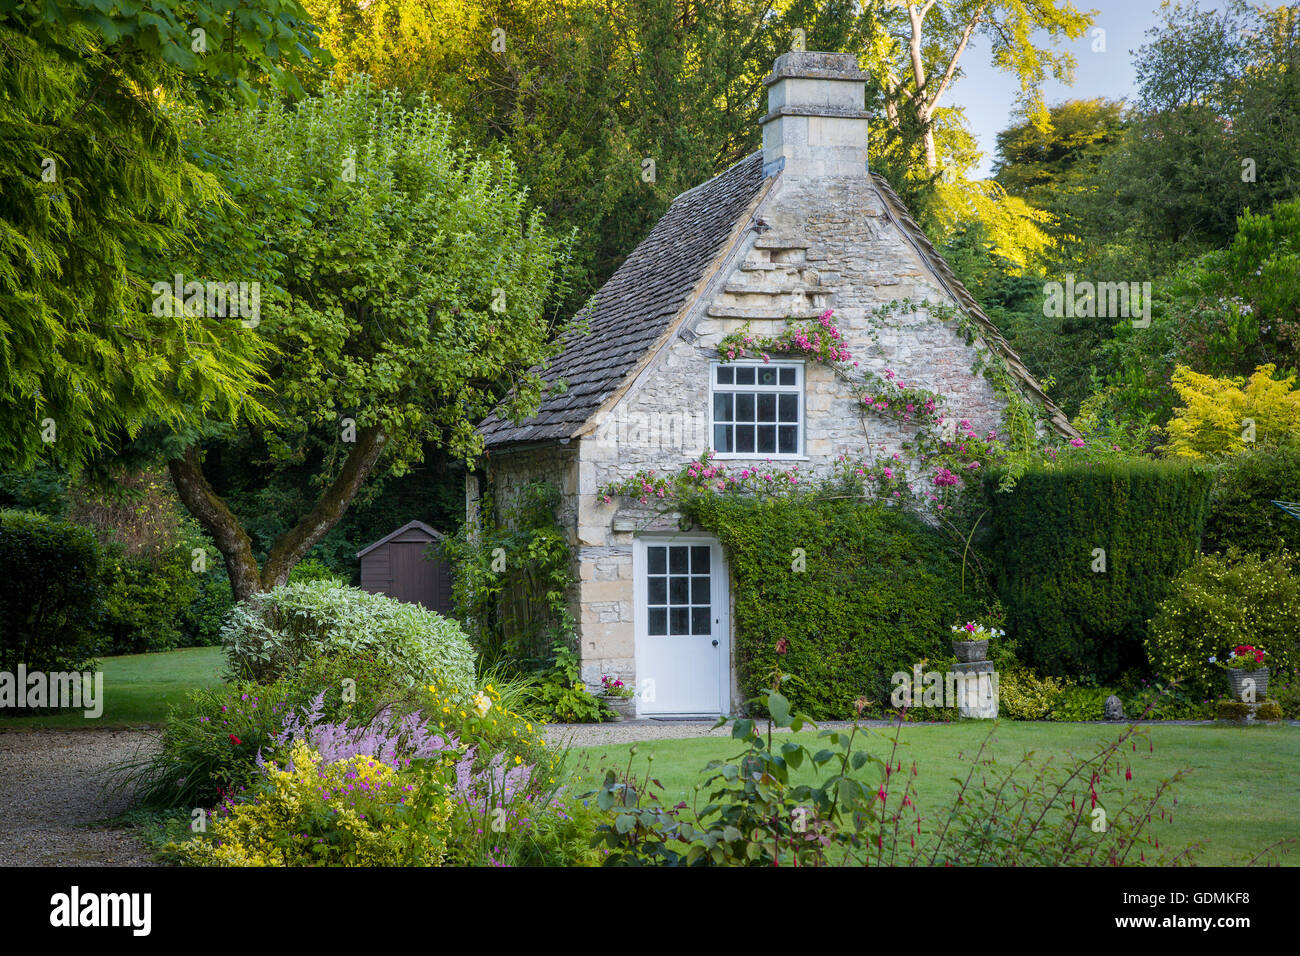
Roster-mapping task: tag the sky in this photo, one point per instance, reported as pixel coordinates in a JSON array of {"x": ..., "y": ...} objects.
[{"x": 989, "y": 95}]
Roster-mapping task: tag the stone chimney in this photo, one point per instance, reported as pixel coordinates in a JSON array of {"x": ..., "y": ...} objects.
[{"x": 815, "y": 127}]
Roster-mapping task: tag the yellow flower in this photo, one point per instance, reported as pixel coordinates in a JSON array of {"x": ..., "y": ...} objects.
[
  {"x": 482, "y": 705},
  {"x": 518, "y": 759}
]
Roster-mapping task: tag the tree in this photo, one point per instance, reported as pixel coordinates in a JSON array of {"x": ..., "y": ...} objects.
[
  {"x": 98, "y": 187},
  {"x": 410, "y": 292},
  {"x": 929, "y": 54},
  {"x": 1225, "y": 416}
]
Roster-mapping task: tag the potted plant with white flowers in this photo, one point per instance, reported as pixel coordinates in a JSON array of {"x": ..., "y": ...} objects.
[{"x": 970, "y": 641}]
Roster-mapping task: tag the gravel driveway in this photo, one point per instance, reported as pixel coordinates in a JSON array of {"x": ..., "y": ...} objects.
[{"x": 52, "y": 791}]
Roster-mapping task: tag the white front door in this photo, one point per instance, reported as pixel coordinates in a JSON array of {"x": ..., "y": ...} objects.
[{"x": 681, "y": 626}]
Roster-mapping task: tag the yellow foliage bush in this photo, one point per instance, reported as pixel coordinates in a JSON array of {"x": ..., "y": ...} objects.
[
  {"x": 1222, "y": 416},
  {"x": 354, "y": 812},
  {"x": 1023, "y": 695}
]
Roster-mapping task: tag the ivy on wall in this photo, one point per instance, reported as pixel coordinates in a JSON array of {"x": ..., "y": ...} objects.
[{"x": 858, "y": 589}]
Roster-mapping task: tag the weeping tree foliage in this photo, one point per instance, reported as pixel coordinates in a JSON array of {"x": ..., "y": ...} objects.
[
  {"x": 99, "y": 189},
  {"x": 410, "y": 289}
]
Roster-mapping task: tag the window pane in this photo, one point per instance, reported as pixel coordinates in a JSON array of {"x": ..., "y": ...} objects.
[
  {"x": 767, "y": 407},
  {"x": 789, "y": 408},
  {"x": 745, "y": 375},
  {"x": 766, "y": 439},
  {"x": 700, "y": 618},
  {"x": 722, "y": 438},
  {"x": 722, "y": 406},
  {"x": 766, "y": 375},
  {"x": 789, "y": 439},
  {"x": 679, "y": 620},
  {"x": 657, "y": 560},
  {"x": 677, "y": 557},
  {"x": 658, "y": 622},
  {"x": 700, "y": 590},
  {"x": 787, "y": 376},
  {"x": 657, "y": 592},
  {"x": 679, "y": 591},
  {"x": 745, "y": 439},
  {"x": 726, "y": 374},
  {"x": 700, "y": 559},
  {"x": 744, "y": 408}
]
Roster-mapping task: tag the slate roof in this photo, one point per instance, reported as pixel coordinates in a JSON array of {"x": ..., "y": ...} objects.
[{"x": 636, "y": 306}]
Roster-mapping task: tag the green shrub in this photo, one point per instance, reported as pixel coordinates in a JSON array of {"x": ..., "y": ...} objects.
[
  {"x": 872, "y": 592},
  {"x": 1242, "y": 513},
  {"x": 1222, "y": 601},
  {"x": 1265, "y": 711},
  {"x": 313, "y": 569},
  {"x": 560, "y": 694},
  {"x": 145, "y": 598},
  {"x": 1284, "y": 687},
  {"x": 49, "y": 593},
  {"x": 202, "y": 619},
  {"x": 1081, "y": 703},
  {"x": 276, "y": 632},
  {"x": 1023, "y": 695},
  {"x": 1050, "y": 533}
]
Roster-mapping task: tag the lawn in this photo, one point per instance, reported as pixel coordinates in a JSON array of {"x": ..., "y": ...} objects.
[
  {"x": 1242, "y": 792},
  {"x": 139, "y": 689}
]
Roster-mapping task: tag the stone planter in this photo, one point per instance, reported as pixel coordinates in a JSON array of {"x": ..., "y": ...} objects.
[
  {"x": 624, "y": 708},
  {"x": 970, "y": 651},
  {"x": 1237, "y": 678}
]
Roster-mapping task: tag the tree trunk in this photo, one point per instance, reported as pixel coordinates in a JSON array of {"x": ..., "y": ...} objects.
[
  {"x": 289, "y": 549},
  {"x": 234, "y": 544},
  {"x": 217, "y": 520}
]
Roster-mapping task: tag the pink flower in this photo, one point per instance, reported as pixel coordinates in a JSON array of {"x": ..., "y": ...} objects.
[{"x": 1077, "y": 442}]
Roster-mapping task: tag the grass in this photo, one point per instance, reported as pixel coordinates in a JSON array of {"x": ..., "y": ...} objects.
[
  {"x": 1240, "y": 795},
  {"x": 138, "y": 690}
]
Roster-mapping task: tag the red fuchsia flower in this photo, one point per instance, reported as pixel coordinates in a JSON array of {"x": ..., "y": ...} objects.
[{"x": 235, "y": 740}]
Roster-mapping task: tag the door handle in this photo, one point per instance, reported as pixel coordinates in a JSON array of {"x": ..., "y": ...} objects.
[{"x": 715, "y": 643}]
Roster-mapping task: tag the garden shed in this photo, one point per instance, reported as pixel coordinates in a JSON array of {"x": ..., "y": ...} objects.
[{"x": 399, "y": 565}]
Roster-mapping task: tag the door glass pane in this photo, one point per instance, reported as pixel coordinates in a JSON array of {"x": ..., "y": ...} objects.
[
  {"x": 700, "y": 620},
  {"x": 700, "y": 590},
  {"x": 679, "y": 620},
  {"x": 658, "y": 623},
  {"x": 679, "y": 590},
  {"x": 657, "y": 592},
  {"x": 677, "y": 559},
  {"x": 657, "y": 560},
  {"x": 700, "y": 559}
]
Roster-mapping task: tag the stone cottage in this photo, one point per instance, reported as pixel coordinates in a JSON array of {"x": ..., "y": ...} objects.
[{"x": 794, "y": 229}]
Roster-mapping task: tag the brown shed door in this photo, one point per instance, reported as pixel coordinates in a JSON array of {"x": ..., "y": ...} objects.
[{"x": 417, "y": 579}]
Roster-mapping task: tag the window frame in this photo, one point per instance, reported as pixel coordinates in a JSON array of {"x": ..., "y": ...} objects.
[{"x": 799, "y": 389}]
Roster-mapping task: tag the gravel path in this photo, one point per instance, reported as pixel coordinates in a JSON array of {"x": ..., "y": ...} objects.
[{"x": 52, "y": 792}]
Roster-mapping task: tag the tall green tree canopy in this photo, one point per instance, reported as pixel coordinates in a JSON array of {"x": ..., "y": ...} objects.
[
  {"x": 99, "y": 191},
  {"x": 410, "y": 298}
]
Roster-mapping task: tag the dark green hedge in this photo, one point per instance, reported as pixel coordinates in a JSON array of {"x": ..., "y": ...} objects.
[
  {"x": 880, "y": 591},
  {"x": 49, "y": 593},
  {"x": 1242, "y": 512},
  {"x": 1067, "y": 619}
]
